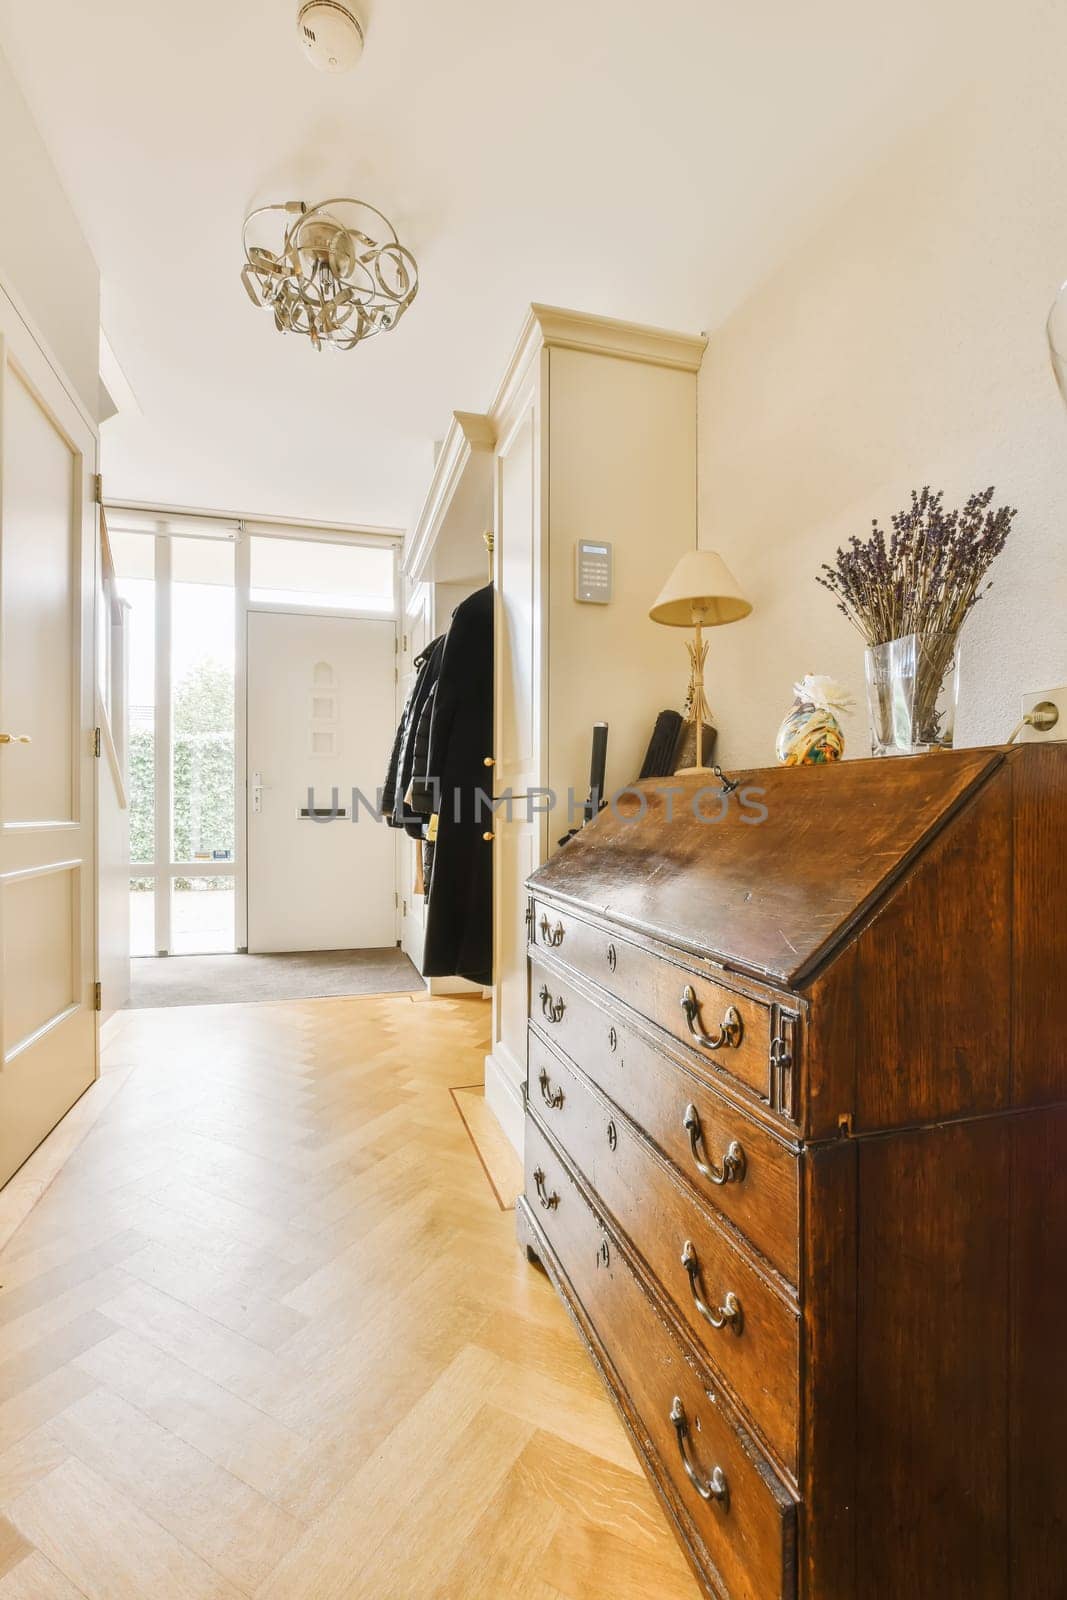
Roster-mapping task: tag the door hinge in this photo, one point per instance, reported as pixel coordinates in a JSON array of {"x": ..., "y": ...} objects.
[
  {"x": 98, "y": 742},
  {"x": 98, "y": 996},
  {"x": 98, "y": 489}
]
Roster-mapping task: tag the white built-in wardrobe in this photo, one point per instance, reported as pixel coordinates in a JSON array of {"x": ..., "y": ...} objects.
[{"x": 592, "y": 435}]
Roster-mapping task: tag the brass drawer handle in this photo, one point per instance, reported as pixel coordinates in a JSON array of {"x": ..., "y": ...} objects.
[
  {"x": 551, "y": 1010},
  {"x": 549, "y": 935},
  {"x": 548, "y": 1202},
  {"x": 729, "y": 1313},
  {"x": 553, "y": 1098},
  {"x": 715, "y": 1487},
  {"x": 731, "y": 1029},
  {"x": 733, "y": 1162}
]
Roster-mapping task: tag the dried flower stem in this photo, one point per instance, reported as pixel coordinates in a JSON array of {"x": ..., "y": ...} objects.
[{"x": 921, "y": 579}]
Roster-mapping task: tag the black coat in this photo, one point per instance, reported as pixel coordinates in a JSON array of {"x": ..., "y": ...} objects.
[
  {"x": 398, "y": 776},
  {"x": 459, "y": 920}
]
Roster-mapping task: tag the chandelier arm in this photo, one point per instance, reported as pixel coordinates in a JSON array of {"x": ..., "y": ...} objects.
[{"x": 332, "y": 284}]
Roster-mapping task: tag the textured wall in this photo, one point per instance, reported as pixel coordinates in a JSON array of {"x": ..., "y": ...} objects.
[{"x": 901, "y": 342}]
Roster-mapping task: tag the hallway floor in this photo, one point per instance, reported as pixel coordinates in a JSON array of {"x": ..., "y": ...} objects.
[
  {"x": 269, "y": 1334},
  {"x": 236, "y": 979}
]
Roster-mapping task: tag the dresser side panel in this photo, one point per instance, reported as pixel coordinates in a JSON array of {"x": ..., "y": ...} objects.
[
  {"x": 1039, "y": 921},
  {"x": 828, "y": 1485},
  {"x": 933, "y": 1330},
  {"x": 1038, "y": 1481}
]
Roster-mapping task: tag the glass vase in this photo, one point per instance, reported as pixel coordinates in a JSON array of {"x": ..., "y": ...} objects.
[{"x": 912, "y": 684}]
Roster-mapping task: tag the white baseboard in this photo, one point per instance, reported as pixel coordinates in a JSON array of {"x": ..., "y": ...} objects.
[{"x": 503, "y": 1096}]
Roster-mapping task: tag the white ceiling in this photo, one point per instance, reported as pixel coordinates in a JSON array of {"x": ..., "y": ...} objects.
[{"x": 643, "y": 161}]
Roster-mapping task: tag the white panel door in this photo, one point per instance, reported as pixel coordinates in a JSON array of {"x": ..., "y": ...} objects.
[
  {"x": 321, "y": 716},
  {"x": 47, "y": 876}
]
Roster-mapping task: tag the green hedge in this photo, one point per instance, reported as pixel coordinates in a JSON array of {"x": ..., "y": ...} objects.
[{"x": 203, "y": 770}]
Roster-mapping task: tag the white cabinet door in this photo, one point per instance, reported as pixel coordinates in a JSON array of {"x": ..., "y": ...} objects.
[
  {"x": 520, "y": 616},
  {"x": 416, "y": 627},
  {"x": 47, "y": 870},
  {"x": 518, "y": 744},
  {"x": 321, "y": 716}
]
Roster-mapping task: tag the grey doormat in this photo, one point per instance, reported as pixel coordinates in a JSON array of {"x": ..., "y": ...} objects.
[{"x": 305, "y": 975}]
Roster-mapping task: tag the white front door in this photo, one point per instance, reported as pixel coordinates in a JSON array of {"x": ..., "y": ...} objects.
[
  {"x": 47, "y": 871},
  {"x": 321, "y": 716}
]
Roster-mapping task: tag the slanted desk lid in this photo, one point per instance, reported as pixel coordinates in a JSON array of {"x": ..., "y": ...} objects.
[{"x": 765, "y": 894}]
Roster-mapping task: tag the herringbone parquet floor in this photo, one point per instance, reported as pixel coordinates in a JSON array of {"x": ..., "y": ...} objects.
[{"x": 268, "y": 1334}]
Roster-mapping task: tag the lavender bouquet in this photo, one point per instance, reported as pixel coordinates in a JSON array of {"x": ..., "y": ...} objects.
[{"x": 918, "y": 583}]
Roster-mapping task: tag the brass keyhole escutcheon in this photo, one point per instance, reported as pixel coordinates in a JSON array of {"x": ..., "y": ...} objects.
[
  {"x": 603, "y": 1255},
  {"x": 613, "y": 958},
  {"x": 613, "y": 1135},
  {"x": 613, "y": 1040}
]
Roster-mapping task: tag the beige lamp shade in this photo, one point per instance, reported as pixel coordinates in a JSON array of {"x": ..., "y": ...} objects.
[{"x": 700, "y": 589}]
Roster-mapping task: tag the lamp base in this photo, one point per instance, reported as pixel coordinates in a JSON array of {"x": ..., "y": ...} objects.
[{"x": 689, "y": 772}]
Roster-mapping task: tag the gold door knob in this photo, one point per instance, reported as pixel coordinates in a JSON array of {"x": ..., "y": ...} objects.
[
  {"x": 15, "y": 738},
  {"x": 488, "y": 836},
  {"x": 488, "y": 761}
]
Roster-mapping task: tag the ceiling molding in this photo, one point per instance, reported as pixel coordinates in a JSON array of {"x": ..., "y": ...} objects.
[
  {"x": 470, "y": 434},
  {"x": 552, "y": 327},
  {"x": 631, "y": 341}
]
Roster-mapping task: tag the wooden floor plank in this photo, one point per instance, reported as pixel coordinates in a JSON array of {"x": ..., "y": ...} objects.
[
  {"x": 106, "y": 1545},
  {"x": 268, "y": 1334}
]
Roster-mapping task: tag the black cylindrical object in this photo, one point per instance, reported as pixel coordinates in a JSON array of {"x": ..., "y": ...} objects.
[{"x": 597, "y": 770}]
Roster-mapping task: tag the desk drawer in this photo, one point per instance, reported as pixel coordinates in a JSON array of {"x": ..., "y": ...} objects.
[
  {"x": 729, "y": 1031},
  {"x": 732, "y": 1161},
  {"x": 745, "y": 1537},
  {"x": 749, "y": 1330}
]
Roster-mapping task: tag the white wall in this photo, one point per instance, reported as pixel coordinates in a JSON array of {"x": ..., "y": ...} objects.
[
  {"x": 44, "y": 256},
  {"x": 901, "y": 343}
]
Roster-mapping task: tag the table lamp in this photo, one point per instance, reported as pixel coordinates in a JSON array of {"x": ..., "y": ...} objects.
[{"x": 700, "y": 593}]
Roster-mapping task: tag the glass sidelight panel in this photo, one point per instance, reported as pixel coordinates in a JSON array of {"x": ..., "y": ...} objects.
[
  {"x": 134, "y": 558},
  {"x": 142, "y": 916},
  {"x": 202, "y": 679},
  {"x": 202, "y": 915}
]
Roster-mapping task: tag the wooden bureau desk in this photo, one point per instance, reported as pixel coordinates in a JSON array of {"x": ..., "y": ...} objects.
[{"x": 796, "y": 1160}]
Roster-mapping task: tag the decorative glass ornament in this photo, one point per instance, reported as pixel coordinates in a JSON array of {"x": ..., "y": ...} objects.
[{"x": 811, "y": 735}]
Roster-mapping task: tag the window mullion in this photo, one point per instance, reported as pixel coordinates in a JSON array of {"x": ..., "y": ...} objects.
[{"x": 164, "y": 746}]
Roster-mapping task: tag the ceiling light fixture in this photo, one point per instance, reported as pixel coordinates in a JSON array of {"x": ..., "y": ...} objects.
[{"x": 337, "y": 274}]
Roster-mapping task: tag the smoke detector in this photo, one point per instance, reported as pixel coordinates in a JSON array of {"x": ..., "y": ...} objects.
[{"x": 331, "y": 35}]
